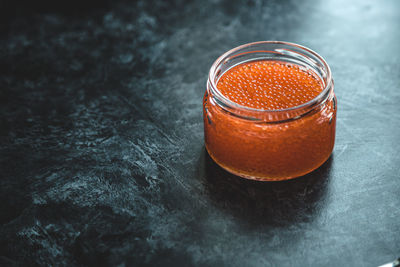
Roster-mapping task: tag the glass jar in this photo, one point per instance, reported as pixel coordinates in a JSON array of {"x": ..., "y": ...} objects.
[{"x": 269, "y": 145}]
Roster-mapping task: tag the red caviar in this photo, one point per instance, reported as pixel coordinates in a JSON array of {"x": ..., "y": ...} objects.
[
  {"x": 269, "y": 119},
  {"x": 269, "y": 85}
]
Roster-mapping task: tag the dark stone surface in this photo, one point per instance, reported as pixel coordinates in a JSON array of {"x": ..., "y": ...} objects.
[{"x": 102, "y": 153}]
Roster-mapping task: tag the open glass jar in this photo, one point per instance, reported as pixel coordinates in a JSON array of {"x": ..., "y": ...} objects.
[{"x": 269, "y": 145}]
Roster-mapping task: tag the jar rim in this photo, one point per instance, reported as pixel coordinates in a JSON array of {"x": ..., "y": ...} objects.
[{"x": 323, "y": 95}]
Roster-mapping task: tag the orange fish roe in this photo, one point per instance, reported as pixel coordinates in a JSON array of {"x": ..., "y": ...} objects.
[
  {"x": 269, "y": 85},
  {"x": 260, "y": 149}
]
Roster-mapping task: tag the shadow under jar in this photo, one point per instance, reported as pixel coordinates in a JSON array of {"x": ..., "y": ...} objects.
[{"x": 270, "y": 144}]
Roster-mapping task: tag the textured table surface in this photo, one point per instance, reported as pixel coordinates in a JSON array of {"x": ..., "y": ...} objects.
[{"x": 101, "y": 137}]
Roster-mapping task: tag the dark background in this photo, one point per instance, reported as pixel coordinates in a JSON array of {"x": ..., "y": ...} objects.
[{"x": 102, "y": 153}]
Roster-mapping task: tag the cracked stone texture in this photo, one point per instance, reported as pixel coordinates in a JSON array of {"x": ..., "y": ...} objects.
[{"x": 101, "y": 138}]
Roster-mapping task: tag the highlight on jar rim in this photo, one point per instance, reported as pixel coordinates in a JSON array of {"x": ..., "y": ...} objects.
[{"x": 269, "y": 111}]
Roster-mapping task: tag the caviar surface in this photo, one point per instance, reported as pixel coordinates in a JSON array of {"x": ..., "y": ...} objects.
[{"x": 269, "y": 85}]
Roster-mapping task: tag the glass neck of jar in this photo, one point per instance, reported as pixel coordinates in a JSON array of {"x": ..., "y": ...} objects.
[
  {"x": 272, "y": 116},
  {"x": 276, "y": 51}
]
